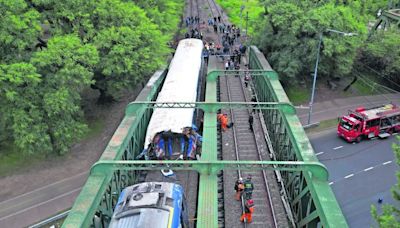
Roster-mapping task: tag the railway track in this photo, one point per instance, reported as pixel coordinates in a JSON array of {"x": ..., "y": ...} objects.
[{"x": 247, "y": 146}]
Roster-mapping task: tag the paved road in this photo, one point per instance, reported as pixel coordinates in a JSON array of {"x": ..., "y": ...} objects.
[
  {"x": 359, "y": 173},
  {"x": 338, "y": 107},
  {"x": 24, "y": 210}
]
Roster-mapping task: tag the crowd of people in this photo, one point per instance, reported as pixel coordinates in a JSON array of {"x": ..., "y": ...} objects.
[{"x": 228, "y": 45}]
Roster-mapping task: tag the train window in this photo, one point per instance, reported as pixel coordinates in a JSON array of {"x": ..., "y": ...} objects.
[
  {"x": 157, "y": 186},
  {"x": 169, "y": 202}
]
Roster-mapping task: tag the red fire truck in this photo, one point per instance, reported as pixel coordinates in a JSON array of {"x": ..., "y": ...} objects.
[{"x": 362, "y": 123}]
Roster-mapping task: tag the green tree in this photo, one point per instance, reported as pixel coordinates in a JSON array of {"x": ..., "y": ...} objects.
[
  {"x": 66, "y": 67},
  {"x": 390, "y": 214},
  {"x": 19, "y": 30},
  {"x": 166, "y": 14},
  {"x": 382, "y": 53},
  {"x": 135, "y": 50},
  {"x": 20, "y": 104},
  {"x": 290, "y": 31}
]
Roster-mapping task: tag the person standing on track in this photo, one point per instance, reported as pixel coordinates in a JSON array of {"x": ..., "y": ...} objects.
[
  {"x": 219, "y": 18},
  {"x": 239, "y": 187},
  {"x": 248, "y": 211},
  {"x": 251, "y": 120},
  {"x": 246, "y": 79},
  {"x": 254, "y": 99},
  {"x": 248, "y": 188}
]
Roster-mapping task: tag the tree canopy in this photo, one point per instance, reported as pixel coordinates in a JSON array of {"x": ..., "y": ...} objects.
[
  {"x": 51, "y": 51},
  {"x": 289, "y": 36},
  {"x": 19, "y": 29}
]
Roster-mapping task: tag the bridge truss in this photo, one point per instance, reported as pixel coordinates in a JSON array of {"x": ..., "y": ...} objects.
[{"x": 305, "y": 179}]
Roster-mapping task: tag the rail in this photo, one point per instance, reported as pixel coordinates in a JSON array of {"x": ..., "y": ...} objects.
[{"x": 271, "y": 207}]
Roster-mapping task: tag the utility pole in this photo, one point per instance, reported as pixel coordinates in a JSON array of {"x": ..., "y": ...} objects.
[
  {"x": 316, "y": 67},
  {"x": 314, "y": 80}
]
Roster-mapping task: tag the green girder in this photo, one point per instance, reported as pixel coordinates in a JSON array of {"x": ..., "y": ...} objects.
[
  {"x": 287, "y": 108},
  {"x": 317, "y": 169},
  {"x": 213, "y": 75}
]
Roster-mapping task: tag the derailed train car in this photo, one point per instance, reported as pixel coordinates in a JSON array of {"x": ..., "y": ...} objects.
[{"x": 171, "y": 133}]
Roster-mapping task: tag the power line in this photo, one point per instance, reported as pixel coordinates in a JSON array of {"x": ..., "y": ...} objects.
[
  {"x": 374, "y": 87},
  {"x": 380, "y": 74},
  {"x": 375, "y": 83}
]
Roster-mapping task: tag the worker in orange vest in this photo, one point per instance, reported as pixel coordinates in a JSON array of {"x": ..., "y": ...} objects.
[
  {"x": 223, "y": 119},
  {"x": 248, "y": 211}
]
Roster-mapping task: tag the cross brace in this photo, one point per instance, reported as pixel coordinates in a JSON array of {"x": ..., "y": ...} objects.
[
  {"x": 287, "y": 108},
  {"x": 212, "y": 75},
  {"x": 317, "y": 169}
]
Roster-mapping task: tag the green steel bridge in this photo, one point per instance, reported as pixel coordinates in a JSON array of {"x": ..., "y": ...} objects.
[{"x": 311, "y": 199}]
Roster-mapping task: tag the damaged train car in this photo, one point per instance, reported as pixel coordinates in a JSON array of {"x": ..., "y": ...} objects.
[{"x": 171, "y": 133}]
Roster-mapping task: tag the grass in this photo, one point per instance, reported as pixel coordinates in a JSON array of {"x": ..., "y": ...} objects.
[
  {"x": 253, "y": 7},
  {"x": 12, "y": 159},
  {"x": 95, "y": 126},
  {"x": 298, "y": 95},
  {"x": 323, "y": 125}
]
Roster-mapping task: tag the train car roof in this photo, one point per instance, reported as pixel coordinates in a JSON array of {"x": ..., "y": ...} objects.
[
  {"x": 180, "y": 86},
  {"x": 139, "y": 204}
]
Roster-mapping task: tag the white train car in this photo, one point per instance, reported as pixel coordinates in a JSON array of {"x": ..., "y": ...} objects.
[{"x": 167, "y": 127}]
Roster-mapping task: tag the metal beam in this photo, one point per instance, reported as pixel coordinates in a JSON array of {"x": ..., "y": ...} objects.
[
  {"x": 317, "y": 169},
  {"x": 213, "y": 75},
  {"x": 287, "y": 108}
]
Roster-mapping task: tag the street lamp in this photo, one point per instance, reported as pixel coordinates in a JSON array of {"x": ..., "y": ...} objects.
[{"x": 316, "y": 67}]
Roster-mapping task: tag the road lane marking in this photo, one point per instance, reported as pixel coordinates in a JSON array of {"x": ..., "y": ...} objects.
[
  {"x": 388, "y": 162},
  {"x": 348, "y": 176},
  {"x": 40, "y": 204},
  {"x": 331, "y": 183},
  {"x": 41, "y": 188},
  {"x": 367, "y": 169},
  {"x": 319, "y": 153},
  {"x": 338, "y": 147}
]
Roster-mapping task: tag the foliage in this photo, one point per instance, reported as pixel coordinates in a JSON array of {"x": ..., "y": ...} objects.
[
  {"x": 390, "y": 214},
  {"x": 19, "y": 29},
  {"x": 165, "y": 14},
  {"x": 52, "y": 50},
  {"x": 67, "y": 68},
  {"x": 252, "y": 7},
  {"x": 135, "y": 50},
  {"x": 382, "y": 53},
  {"x": 19, "y": 83},
  {"x": 130, "y": 47},
  {"x": 42, "y": 98},
  {"x": 289, "y": 36}
]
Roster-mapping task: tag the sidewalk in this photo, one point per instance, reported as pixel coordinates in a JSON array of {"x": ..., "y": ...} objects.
[{"x": 335, "y": 108}]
